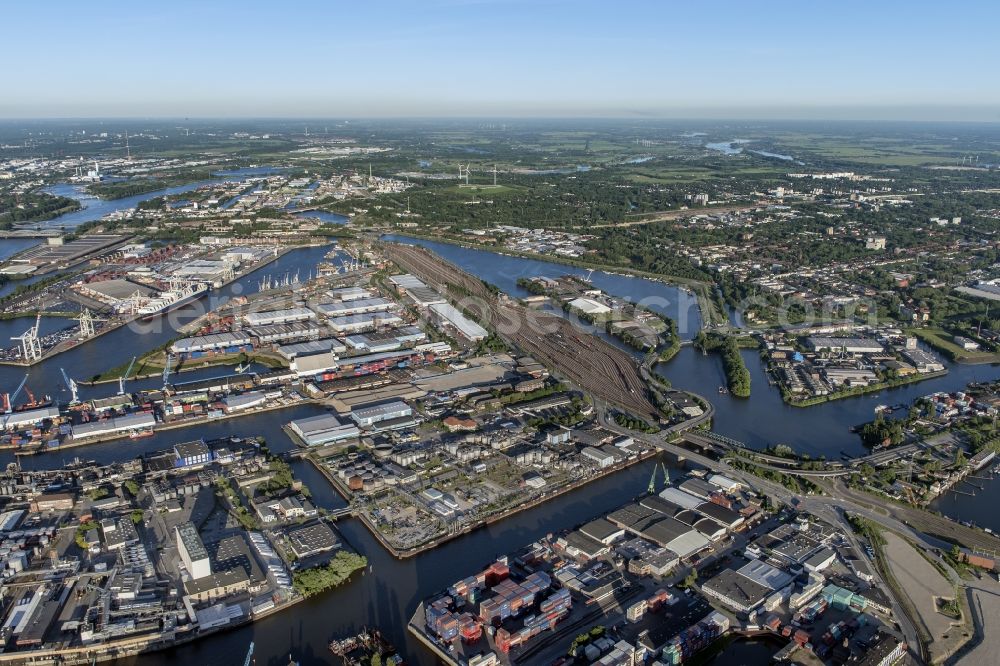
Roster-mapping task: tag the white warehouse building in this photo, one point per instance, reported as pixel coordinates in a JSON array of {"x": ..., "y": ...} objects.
[
  {"x": 279, "y": 316},
  {"x": 449, "y": 315}
]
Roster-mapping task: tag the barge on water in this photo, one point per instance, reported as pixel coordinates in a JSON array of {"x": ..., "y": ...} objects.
[{"x": 359, "y": 649}]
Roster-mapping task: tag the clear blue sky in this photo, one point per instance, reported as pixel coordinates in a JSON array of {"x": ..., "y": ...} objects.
[{"x": 708, "y": 58}]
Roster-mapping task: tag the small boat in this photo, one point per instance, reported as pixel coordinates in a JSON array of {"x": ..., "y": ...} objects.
[
  {"x": 140, "y": 434},
  {"x": 723, "y": 390},
  {"x": 359, "y": 649}
]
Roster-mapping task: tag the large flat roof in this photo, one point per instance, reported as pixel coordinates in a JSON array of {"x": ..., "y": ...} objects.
[
  {"x": 192, "y": 541},
  {"x": 732, "y": 585}
]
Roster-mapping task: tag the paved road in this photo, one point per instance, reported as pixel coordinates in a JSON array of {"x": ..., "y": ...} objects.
[{"x": 827, "y": 508}]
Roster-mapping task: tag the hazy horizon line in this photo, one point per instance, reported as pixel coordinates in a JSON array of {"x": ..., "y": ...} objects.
[{"x": 510, "y": 118}]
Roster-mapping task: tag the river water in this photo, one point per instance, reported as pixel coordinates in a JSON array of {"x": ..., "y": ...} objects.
[
  {"x": 119, "y": 346},
  {"x": 761, "y": 420},
  {"x": 93, "y": 208},
  {"x": 388, "y": 594},
  {"x": 11, "y": 246}
]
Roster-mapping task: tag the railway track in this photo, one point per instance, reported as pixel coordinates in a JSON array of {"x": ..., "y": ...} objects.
[{"x": 586, "y": 360}]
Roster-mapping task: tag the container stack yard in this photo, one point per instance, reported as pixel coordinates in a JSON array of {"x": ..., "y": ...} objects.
[{"x": 511, "y": 611}]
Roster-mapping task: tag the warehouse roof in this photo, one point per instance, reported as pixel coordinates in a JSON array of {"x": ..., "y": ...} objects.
[
  {"x": 720, "y": 513},
  {"x": 213, "y": 341},
  {"x": 600, "y": 529},
  {"x": 312, "y": 347},
  {"x": 119, "y": 289},
  {"x": 314, "y": 363},
  {"x": 463, "y": 324},
  {"x": 406, "y": 281},
  {"x": 254, "y": 318},
  {"x": 585, "y": 543},
  {"x": 375, "y": 411},
  {"x": 340, "y": 307},
  {"x": 764, "y": 574},
  {"x": 661, "y": 529},
  {"x": 737, "y": 587},
  {"x": 660, "y": 505},
  {"x": 630, "y": 515},
  {"x": 680, "y": 498},
  {"x": 698, "y": 488},
  {"x": 688, "y": 544}
]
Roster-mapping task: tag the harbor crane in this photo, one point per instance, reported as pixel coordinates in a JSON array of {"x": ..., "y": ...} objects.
[
  {"x": 71, "y": 385},
  {"x": 86, "y": 320},
  {"x": 651, "y": 489},
  {"x": 9, "y": 401},
  {"x": 652, "y": 480},
  {"x": 166, "y": 371},
  {"x": 121, "y": 380},
  {"x": 31, "y": 345},
  {"x": 11, "y": 397}
]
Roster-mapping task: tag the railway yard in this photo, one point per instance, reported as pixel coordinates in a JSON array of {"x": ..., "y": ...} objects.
[{"x": 589, "y": 362}]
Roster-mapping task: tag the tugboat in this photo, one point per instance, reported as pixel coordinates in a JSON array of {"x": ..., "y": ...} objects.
[{"x": 359, "y": 649}]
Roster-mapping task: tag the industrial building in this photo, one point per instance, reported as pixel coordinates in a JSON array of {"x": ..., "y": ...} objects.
[
  {"x": 601, "y": 458},
  {"x": 323, "y": 429},
  {"x": 354, "y": 307},
  {"x": 923, "y": 361},
  {"x": 314, "y": 364},
  {"x": 369, "y": 416},
  {"x": 448, "y": 315},
  {"x": 119, "y": 424},
  {"x": 736, "y": 591},
  {"x": 56, "y": 251},
  {"x": 333, "y": 345},
  {"x": 215, "y": 272},
  {"x": 29, "y": 417},
  {"x": 279, "y": 316},
  {"x": 411, "y": 286},
  {"x": 661, "y": 529},
  {"x": 589, "y": 306},
  {"x": 189, "y": 454},
  {"x": 348, "y": 293},
  {"x": 680, "y": 498},
  {"x": 296, "y": 330},
  {"x": 193, "y": 553},
  {"x": 846, "y": 345},
  {"x": 117, "y": 293},
  {"x": 363, "y": 322},
  {"x": 241, "y": 401},
  {"x": 388, "y": 341},
  {"x": 233, "y": 342},
  {"x": 312, "y": 539}
]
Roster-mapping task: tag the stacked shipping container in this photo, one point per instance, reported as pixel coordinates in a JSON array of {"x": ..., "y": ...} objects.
[{"x": 695, "y": 638}]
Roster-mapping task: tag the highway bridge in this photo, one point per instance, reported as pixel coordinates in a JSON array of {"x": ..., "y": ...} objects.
[{"x": 721, "y": 444}]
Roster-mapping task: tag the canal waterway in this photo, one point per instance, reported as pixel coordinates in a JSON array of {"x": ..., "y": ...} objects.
[
  {"x": 324, "y": 216},
  {"x": 119, "y": 346},
  {"x": 761, "y": 420},
  {"x": 11, "y": 246},
  {"x": 93, "y": 208},
  {"x": 387, "y": 594}
]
